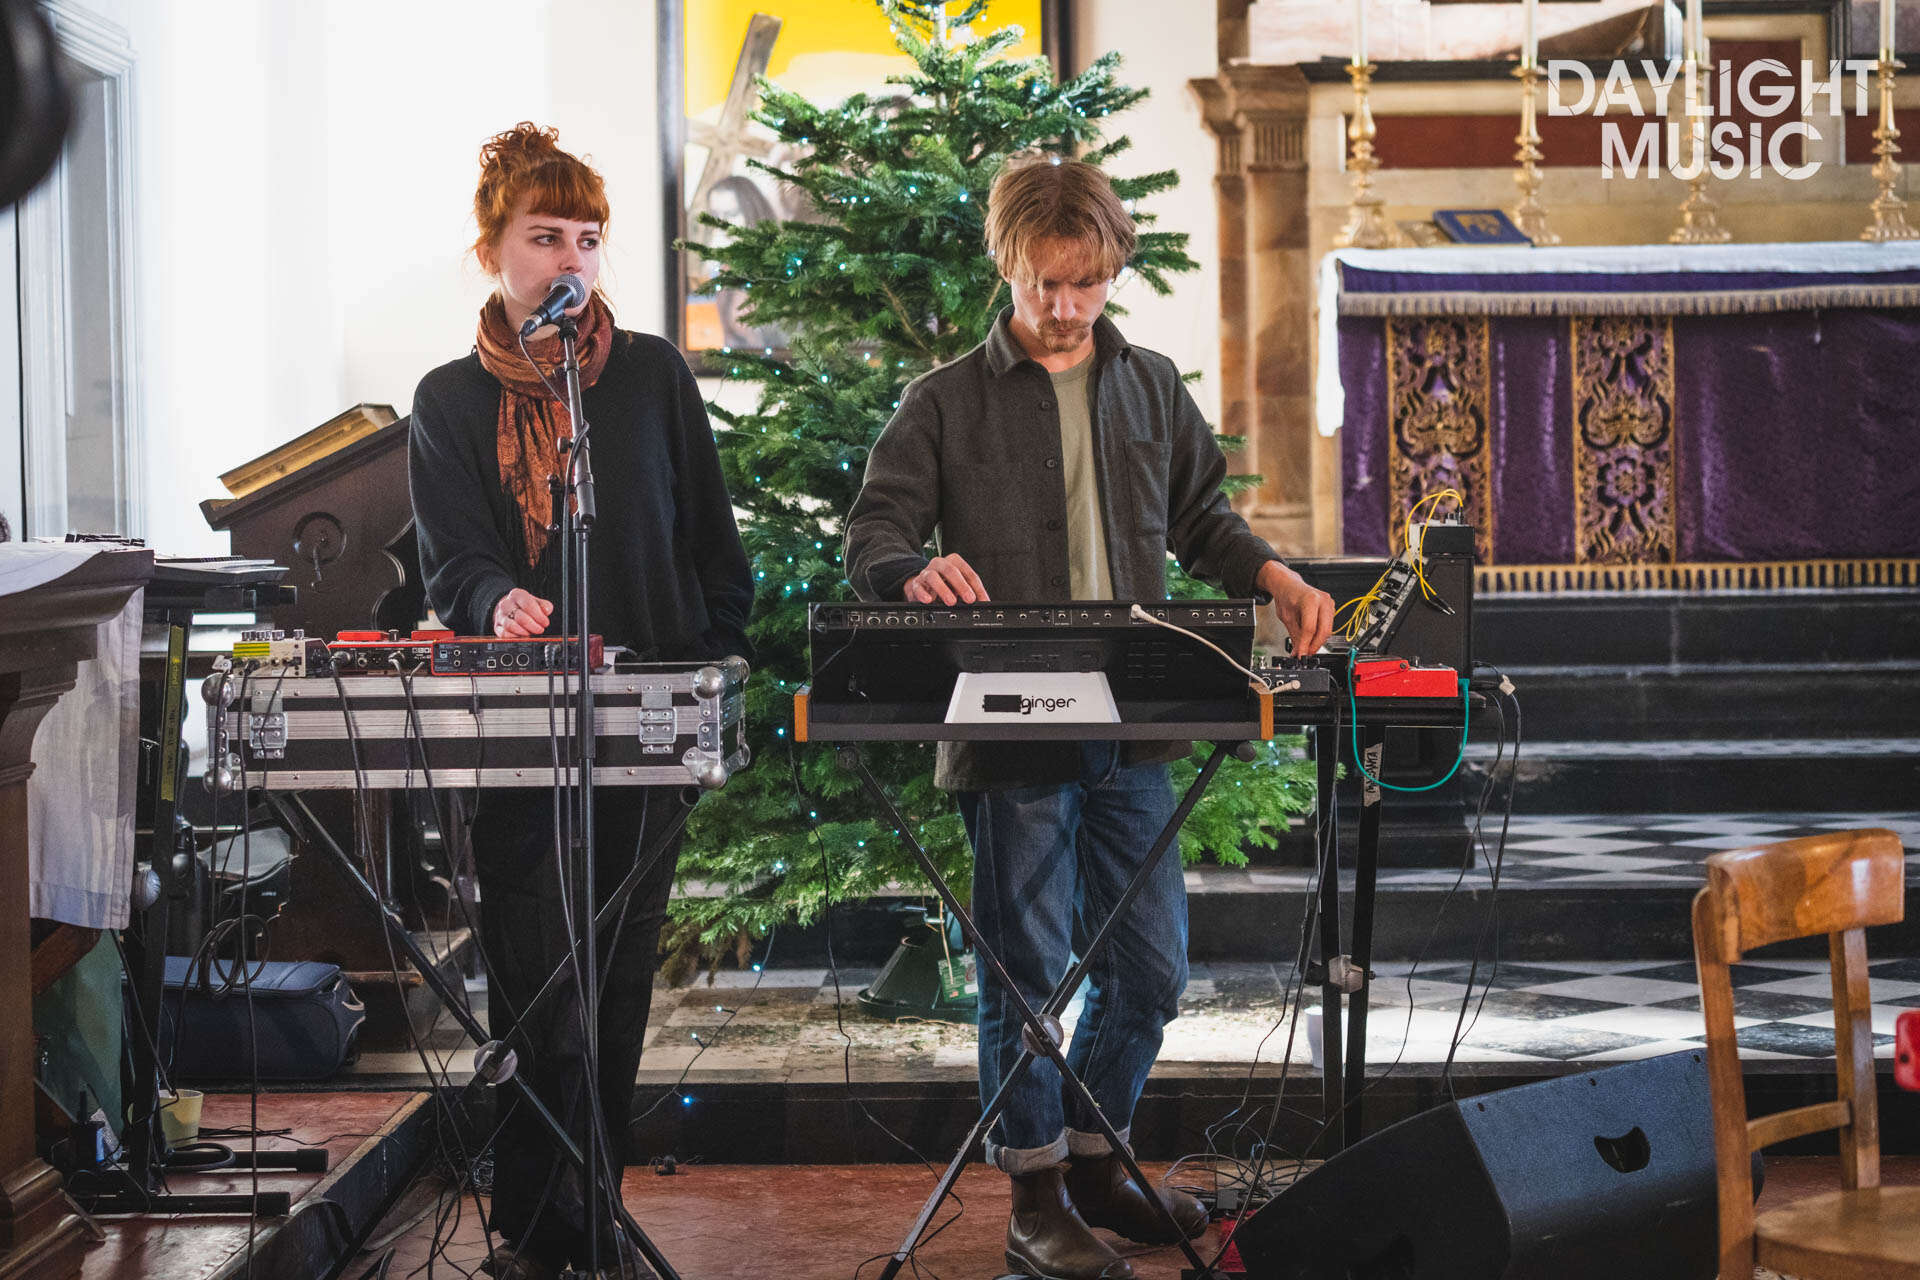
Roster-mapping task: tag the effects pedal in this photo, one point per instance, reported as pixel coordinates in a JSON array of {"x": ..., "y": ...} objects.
[
  {"x": 1305, "y": 675},
  {"x": 1398, "y": 678}
]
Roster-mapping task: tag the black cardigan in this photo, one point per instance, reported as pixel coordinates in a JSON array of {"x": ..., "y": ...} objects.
[{"x": 667, "y": 577}]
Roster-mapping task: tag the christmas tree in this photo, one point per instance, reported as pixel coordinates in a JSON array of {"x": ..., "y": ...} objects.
[{"x": 887, "y": 279}]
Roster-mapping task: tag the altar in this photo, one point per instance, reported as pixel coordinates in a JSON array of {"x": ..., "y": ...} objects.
[{"x": 1649, "y": 416}]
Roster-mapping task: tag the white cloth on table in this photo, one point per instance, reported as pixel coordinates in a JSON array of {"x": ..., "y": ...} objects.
[{"x": 80, "y": 797}]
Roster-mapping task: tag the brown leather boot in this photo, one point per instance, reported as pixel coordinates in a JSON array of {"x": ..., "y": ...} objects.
[
  {"x": 1046, "y": 1238},
  {"x": 1106, "y": 1196}
]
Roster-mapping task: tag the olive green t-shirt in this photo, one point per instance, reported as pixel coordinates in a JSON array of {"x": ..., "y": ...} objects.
[{"x": 1086, "y": 529}]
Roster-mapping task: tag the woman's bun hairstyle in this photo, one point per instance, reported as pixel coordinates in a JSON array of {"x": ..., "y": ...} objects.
[{"x": 526, "y": 164}]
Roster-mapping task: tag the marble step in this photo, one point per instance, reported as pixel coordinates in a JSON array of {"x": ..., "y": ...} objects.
[
  {"x": 1658, "y": 629},
  {"x": 1771, "y": 700},
  {"x": 1696, "y": 776}
]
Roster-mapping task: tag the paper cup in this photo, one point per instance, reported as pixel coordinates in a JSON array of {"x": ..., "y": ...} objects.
[{"x": 180, "y": 1115}]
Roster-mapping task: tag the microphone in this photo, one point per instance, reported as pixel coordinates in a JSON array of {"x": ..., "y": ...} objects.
[{"x": 566, "y": 291}]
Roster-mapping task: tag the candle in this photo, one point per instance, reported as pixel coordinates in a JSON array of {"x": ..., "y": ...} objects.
[
  {"x": 1691, "y": 45},
  {"x": 1530, "y": 52},
  {"x": 1886, "y": 30},
  {"x": 1359, "y": 33}
]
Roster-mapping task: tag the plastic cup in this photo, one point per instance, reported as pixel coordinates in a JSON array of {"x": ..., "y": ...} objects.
[{"x": 180, "y": 1115}]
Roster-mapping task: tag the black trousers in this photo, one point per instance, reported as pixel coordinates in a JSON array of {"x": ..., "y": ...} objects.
[{"x": 537, "y": 1195}]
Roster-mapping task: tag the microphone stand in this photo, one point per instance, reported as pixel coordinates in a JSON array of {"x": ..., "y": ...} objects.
[{"x": 577, "y": 520}]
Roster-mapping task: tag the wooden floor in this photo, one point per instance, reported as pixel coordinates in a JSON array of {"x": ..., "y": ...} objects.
[
  {"x": 195, "y": 1248},
  {"x": 829, "y": 1222},
  {"x": 714, "y": 1222}
]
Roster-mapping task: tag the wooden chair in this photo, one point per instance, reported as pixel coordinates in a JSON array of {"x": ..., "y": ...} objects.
[{"x": 1837, "y": 885}]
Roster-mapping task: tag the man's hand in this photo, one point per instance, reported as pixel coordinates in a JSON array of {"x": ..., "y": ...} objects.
[
  {"x": 947, "y": 580},
  {"x": 1306, "y": 612},
  {"x": 521, "y": 614}
]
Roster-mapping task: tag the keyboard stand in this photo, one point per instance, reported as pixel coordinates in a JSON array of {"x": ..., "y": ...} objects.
[{"x": 1041, "y": 1036}]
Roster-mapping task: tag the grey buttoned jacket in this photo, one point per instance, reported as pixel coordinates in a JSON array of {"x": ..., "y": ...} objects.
[{"x": 972, "y": 461}]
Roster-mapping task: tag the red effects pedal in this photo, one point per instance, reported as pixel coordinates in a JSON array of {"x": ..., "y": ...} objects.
[{"x": 1398, "y": 678}]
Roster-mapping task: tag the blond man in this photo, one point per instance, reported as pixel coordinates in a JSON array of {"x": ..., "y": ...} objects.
[{"x": 1057, "y": 462}]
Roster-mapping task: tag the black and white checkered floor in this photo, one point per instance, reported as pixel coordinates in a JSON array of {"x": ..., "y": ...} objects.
[
  {"x": 782, "y": 1025},
  {"x": 1603, "y": 850},
  {"x": 1609, "y": 1011},
  {"x": 1573, "y": 1010}
]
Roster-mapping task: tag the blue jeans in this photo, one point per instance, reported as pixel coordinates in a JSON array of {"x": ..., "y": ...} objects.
[{"x": 1049, "y": 862}]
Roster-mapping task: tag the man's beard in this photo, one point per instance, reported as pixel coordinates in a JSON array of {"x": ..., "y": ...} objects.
[{"x": 1060, "y": 337}]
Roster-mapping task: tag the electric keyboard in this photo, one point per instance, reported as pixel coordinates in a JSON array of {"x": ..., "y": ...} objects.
[{"x": 1036, "y": 672}]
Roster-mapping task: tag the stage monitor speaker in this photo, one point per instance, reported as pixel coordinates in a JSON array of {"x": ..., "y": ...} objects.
[{"x": 1597, "y": 1176}]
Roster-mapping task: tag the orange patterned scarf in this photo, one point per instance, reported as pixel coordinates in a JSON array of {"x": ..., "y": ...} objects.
[{"x": 532, "y": 423}]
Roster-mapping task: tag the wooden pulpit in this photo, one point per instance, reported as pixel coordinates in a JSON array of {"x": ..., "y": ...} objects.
[
  {"x": 45, "y": 631},
  {"x": 333, "y": 504}
]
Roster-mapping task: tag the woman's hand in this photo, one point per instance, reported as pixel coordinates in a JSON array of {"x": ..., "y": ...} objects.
[{"x": 521, "y": 614}]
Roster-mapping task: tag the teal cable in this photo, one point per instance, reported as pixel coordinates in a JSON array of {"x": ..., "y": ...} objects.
[{"x": 1353, "y": 706}]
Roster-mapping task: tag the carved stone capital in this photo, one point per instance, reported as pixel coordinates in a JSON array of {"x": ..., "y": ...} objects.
[
  {"x": 1274, "y": 141},
  {"x": 1257, "y": 90},
  {"x": 1268, "y": 107},
  {"x": 1216, "y": 112}
]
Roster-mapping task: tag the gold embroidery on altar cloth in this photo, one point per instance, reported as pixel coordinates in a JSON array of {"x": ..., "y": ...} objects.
[
  {"x": 1624, "y": 464},
  {"x": 1716, "y": 575},
  {"x": 1438, "y": 392}
]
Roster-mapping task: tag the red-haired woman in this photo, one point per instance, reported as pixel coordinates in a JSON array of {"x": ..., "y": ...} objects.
[{"x": 667, "y": 578}]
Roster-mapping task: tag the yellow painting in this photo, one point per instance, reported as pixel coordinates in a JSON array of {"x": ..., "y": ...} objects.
[{"x": 825, "y": 50}]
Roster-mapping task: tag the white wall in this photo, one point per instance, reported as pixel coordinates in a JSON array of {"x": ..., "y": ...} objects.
[
  {"x": 305, "y": 181},
  {"x": 1163, "y": 46},
  {"x": 306, "y": 178}
]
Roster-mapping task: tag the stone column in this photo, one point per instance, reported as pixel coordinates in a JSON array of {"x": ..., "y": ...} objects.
[
  {"x": 1230, "y": 204},
  {"x": 1269, "y": 108}
]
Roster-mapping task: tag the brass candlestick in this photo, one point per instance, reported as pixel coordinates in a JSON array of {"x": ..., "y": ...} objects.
[
  {"x": 1367, "y": 227},
  {"x": 1889, "y": 210},
  {"x": 1699, "y": 212},
  {"x": 1530, "y": 215}
]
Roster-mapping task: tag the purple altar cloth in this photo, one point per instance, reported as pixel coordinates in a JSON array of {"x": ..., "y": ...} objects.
[{"x": 1792, "y": 433}]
